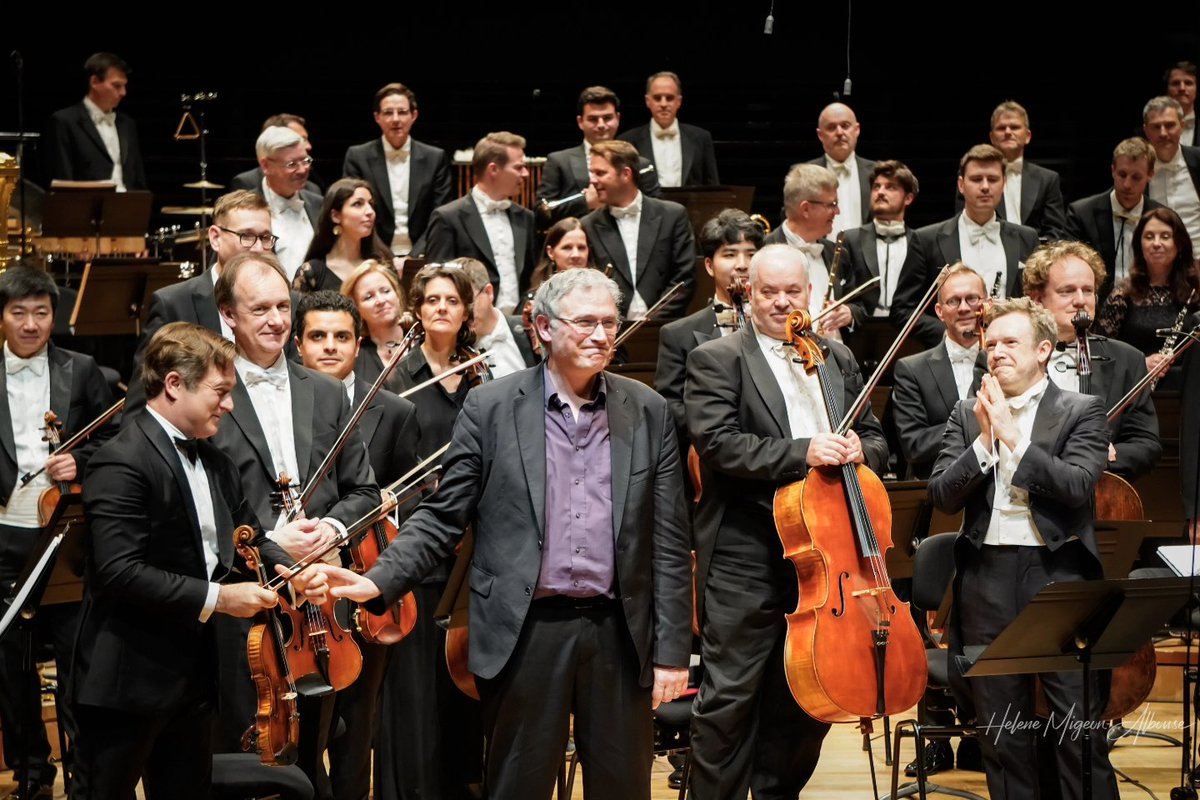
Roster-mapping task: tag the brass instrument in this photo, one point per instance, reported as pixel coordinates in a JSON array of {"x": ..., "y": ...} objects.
[
  {"x": 761, "y": 221},
  {"x": 545, "y": 206},
  {"x": 835, "y": 269}
]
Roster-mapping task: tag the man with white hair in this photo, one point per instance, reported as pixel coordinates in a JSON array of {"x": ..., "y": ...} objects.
[
  {"x": 285, "y": 162},
  {"x": 1176, "y": 181}
]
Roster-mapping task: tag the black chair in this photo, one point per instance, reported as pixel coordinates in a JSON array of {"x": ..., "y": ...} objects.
[
  {"x": 242, "y": 776},
  {"x": 933, "y": 571}
]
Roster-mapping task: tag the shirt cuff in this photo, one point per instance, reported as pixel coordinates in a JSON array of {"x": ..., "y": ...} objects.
[
  {"x": 334, "y": 556},
  {"x": 986, "y": 460},
  {"x": 210, "y": 602}
]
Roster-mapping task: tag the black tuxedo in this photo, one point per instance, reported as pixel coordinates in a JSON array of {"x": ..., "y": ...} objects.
[
  {"x": 145, "y": 665},
  {"x": 430, "y": 184},
  {"x": 252, "y": 179},
  {"x": 1191, "y": 157},
  {"x": 699, "y": 166},
  {"x": 923, "y": 396},
  {"x": 495, "y": 481},
  {"x": 747, "y": 730},
  {"x": 1067, "y": 451},
  {"x": 73, "y": 150},
  {"x": 865, "y": 168},
  {"x": 1090, "y": 220},
  {"x": 1042, "y": 206},
  {"x": 566, "y": 173},
  {"x": 675, "y": 341},
  {"x": 456, "y": 230},
  {"x": 666, "y": 253},
  {"x": 861, "y": 253},
  {"x": 937, "y": 246}
]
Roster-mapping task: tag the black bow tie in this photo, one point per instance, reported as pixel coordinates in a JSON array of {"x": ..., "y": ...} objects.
[
  {"x": 719, "y": 307},
  {"x": 188, "y": 448}
]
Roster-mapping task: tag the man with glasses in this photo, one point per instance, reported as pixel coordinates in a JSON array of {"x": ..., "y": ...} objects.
[
  {"x": 581, "y": 576},
  {"x": 976, "y": 236},
  {"x": 285, "y": 162}
]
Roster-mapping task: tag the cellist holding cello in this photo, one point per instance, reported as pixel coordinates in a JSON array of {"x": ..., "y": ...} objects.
[
  {"x": 37, "y": 377},
  {"x": 758, "y": 423},
  {"x": 1022, "y": 460}
]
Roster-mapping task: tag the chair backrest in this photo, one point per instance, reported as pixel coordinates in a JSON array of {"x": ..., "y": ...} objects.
[{"x": 933, "y": 569}]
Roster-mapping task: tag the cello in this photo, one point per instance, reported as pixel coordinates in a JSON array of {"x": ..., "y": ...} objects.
[{"x": 835, "y": 527}]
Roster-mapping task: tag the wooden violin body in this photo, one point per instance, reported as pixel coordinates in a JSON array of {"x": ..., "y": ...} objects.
[
  {"x": 401, "y": 617},
  {"x": 322, "y": 655}
]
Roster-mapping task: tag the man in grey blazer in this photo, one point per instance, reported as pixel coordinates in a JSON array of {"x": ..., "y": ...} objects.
[
  {"x": 682, "y": 154},
  {"x": 581, "y": 577},
  {"x": 409, "y": 179},
  {"x": 1021, "y": 461}
]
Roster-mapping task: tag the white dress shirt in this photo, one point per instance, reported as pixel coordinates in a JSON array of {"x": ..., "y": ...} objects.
[
  {"x": 106, "y": 126},
  {"x": 504, "y": 357},
  {"x": 1012, "y": 521},
  {"x": 270, "y": 393},
  {"x": 1012, "y": 190},
  {"x": 818, "y": 273},
  {"x": 1188, "y": 137},
  {"x": 348, "y": 382},
  {"x": 668, "y": 153},
  {"x": 962, "y": 362},
  {"x": 498, "y": 228},
  {"x": 289, "y": 221},
  {"x": 982, "y": 251},
  {"x": 849, "y": 194},
  {"x": 801, "y": 391},
  {"x": 1124, "y": 221},
  {"x": 398, "y": 161},
  {"x": 891, "y": 256},
  {"x": 197, "y": 479},
  {"x": 1173, "y": 187},
  {"x": 1063, "y": 368},
  {"x": 28, "y": 381},
  {"x": 629, "y": 220}
]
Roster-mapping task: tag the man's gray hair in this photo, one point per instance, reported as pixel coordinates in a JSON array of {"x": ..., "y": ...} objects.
[
  {"x": 274, "y": 139},
  {"x": 552, "y": 291},
  {"x": 1157, "y": 105},
  {"x": 806, "y": 182},
  {"x": 777, "y": 252}
]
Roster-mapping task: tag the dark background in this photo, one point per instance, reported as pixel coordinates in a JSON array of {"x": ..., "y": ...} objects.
[{"x": 925, "y": 77}]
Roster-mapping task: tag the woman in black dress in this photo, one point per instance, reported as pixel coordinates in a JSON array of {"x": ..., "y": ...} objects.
[
  {"x": 1162, "y": 284},
  {"x": 345, "y": 238}
]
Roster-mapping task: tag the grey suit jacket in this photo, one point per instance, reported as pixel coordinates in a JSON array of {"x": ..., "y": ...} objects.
[
  {"x": 666, "y": 253},
  {"x": 865, "y": 168},
  {"x": 456, "y": 230},
  {"x": 923, "y": 396},
  {"x": 937, "y": 246},
  {"x": 699, "y": 166},
  {"x": 566, "y": 173},
  {"x": 320, "y": 410},
  {"x": 430, "y": 184},
  {"x": 495, "y": 480},
  {"x": 737, "y": 419},
  {"x": 1067, "y": 452}
]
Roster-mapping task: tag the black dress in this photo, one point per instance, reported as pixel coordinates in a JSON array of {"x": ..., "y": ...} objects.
[
  {"x": 1136, "y": 322},
  {"x": 314, "y": 275}
]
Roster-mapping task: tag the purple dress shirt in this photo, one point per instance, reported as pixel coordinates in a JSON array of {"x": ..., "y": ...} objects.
[{"x": 577, "y": 557}]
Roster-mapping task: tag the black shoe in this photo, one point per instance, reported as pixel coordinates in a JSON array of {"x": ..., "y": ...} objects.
[
  {"x": 675, "y": 779},
  {"x": 37, "y": 792},
  {"x": 970, "y": 756},
  {"x": 939, "y": 756}
]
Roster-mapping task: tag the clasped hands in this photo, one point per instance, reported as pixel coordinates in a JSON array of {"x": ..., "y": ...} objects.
[{"x": 995, "y": 418}]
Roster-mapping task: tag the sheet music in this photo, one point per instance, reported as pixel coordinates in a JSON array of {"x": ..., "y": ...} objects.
[
  {"x": 1179, "y": 558},
  {"x": 34, "y": 579}
]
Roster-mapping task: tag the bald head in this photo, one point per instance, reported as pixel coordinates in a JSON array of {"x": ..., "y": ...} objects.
[
  {"x": 778, "y": 286},
  {"x": 837, "y": 128}
]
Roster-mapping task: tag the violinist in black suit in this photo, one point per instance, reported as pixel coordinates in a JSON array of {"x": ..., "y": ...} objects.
[
  {"x": 37, "y": 377},
  {"x": 758, "y": 425},
  {"x": 682, "y": 154},
  {"x": 1105, "y": 221},
  {"x": 566, "y": 172},
  {"x": 399, "y": 167},
  {"x": 91, "y": 140},
  {"x": 162, "y": 503}
]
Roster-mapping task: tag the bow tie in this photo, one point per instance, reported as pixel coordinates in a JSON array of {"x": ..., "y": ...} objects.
[
  {"x": 630, "y": 211},
  {"x": 14, "y": 364},
  {"x": 813, "y": 249},
  {"x": 275, "y": 378},
  {"x": 841, "y": 170},
  {"x": 990, "y": 231},
  {"x": 188, "y": 448},
  {"x": 1020, "y": 403},
  {"x": 889, "y": 231},
  {"x": 669, "y": 133},
  {"x": 491, "y": 206},
  {"x": 1014, "y": 167},
  {"x": 104, "y": 116},
  {"x": 397, "y": 155},
  {"x": 1126, "y": 216},
  {"x": 960, "y": 354},
  {"x": 293, "y": 203},
  {"x": 1174, "y": 165}
]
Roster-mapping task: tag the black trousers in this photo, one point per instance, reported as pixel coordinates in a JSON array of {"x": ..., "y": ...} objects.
[
  {"x": 569, "y": 660},
  {"x": 357, "y": 706},
  {"x": 995, "y": 584},
  {"x": 748, "y": 733},
  {"x": 20, "y": 693}
]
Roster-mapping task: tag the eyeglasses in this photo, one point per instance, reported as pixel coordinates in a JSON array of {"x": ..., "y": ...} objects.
[
  {"x": 587, "y": 326},
  {"x": 972, "y": 301},
  {"x": 292, "y": 166},
  {"x": 834, "y": 204},
  {"x": 247, "y": 240}
]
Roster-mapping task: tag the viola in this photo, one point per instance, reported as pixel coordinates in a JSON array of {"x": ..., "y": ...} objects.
[{"x": 275, "y": 734}]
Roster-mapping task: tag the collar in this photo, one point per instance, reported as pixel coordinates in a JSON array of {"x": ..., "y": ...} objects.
[
  {"x": 797, "y": 241},
  {"x": 1030, "y": 395},
  {"x": 348, "y": 382},
  {"x": 402, "y": 152},
  {"x": 959, "y": 353},
  {"x": 36, "y": 362},
  {"x": 245, "y": 367},
  {"x": 173, "y": 433},
  {"x": 96, "y": 114},
  {"x": 632, "y": 210},
  {"x": 496, "y": 334},
  {"x": 486, "y": 204},
  {"x": 849, "y": 165},
  {"x": 1119, "y": 210},
  {"x": 278, "y": 202},
  {"x": 550, "y": 398},
  {"x": 1015, "y": 167},
  {"x": 670, "y": 132},
  {"x": 890, "y": 228}
]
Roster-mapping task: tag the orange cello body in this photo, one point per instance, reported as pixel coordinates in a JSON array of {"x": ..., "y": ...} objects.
[
  {"x": 831, "y": 659},
  {"x": 399, "y": 620}
]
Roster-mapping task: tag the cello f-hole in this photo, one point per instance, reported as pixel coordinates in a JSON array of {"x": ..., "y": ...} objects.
[{"x": 841, "y": 609}]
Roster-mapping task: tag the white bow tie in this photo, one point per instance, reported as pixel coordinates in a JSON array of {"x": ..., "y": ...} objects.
[
  {"x": 841, "y": 170},
  {"x": 491, "y": 206},
  {"x": 889, "y": 228},
  {"x": 628, "y": 212},
  {"x": 105, "y": 116},
  {"x": 14, "y": 364},
  {"x": 397, "y": 155},
  {"x": 990, "y": 231},
  {"x": 271, "y": 377},
  {"x": 1020, "y": 403},
  {"x": 1171, "y": 166},
  {"x": 669, "y": 133},
  {"x": 1014, "y": 167},
  {"x": 814, "y": 249}
]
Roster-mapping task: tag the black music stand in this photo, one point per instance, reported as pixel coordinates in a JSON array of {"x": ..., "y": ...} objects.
[
  {"x": 1081, "y": 625},
  {"x": 705, "y": 202},
  {"x": 53, "y": 574},
  {"x": 95, "y": 211},
  {"x": 118, "y": 296}
]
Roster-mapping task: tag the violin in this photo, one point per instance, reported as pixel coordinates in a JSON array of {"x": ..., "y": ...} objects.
[
  {"x": 49, "y": 499},
  {"x": 275, "y": 734},
  {"x": 476, "y": 374},
  {"x": 739, "y": 290},
  {"x": 852, "y": 650},
  {"x": 319, "y": 650},
  {"x": 401, "y": 617},
  {"x": 527, "y": 322}
]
